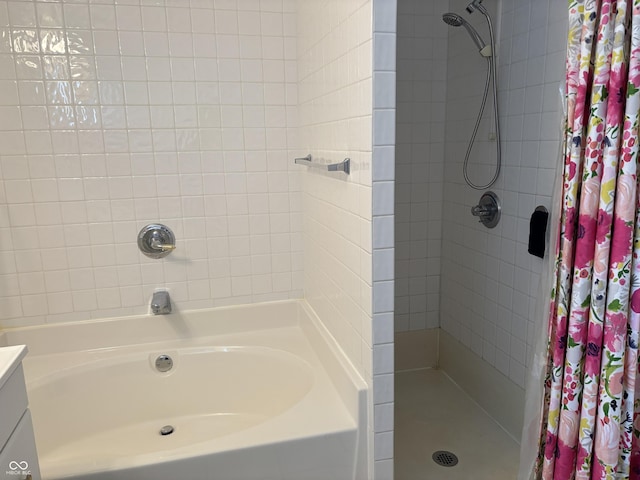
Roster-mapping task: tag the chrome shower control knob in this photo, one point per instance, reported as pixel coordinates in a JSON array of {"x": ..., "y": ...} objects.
[
  {"x": 488, "y": 210},
  {"x": 156, "y": 240}
]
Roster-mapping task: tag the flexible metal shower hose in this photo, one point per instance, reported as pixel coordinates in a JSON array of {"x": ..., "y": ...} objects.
[{"x": 491, "y": 73}]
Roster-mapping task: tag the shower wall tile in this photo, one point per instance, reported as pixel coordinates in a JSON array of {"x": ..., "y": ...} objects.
[
  {"x": 114, "y": 115},
  {"x": 383, "y": 212},
  {"x": 421, "y": 74},
  {"x": 348, "y": 233},
  {"x": 118, "y": 114},
  {"x": 337, "y": 207},
  {"x": 489, "y": 281}
]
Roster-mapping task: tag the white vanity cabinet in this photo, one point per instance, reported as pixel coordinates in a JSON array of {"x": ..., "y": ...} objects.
[{"x": 18, "y": 456}]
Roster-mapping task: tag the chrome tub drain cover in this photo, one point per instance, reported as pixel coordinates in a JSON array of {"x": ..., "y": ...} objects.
[
  {"x": 166, "y": 430},
  {"x": 164, "y": 363}
]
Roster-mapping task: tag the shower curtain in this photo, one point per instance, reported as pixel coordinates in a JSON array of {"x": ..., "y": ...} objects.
[{"x": 590, "y": 420}]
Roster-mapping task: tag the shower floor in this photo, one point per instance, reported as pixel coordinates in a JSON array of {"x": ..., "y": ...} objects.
[{"x": 431, "y": 414}]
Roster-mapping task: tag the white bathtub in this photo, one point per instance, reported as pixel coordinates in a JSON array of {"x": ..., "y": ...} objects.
[{"x": 255, "y": 392}]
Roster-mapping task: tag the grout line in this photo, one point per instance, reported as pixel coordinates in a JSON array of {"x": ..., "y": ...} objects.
[{"x": 419, "y": 369}]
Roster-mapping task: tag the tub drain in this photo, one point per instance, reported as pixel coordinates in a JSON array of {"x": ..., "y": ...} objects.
[
  {"x": 166, "y": 430},
  {"x": 164, "y": 363},
  {"x": 444, "y": 458}
]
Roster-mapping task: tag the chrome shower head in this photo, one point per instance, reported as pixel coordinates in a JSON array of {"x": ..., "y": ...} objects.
[{"x": 455, "y": 20}]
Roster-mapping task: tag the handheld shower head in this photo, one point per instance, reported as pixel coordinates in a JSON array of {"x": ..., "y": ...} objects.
[
  {"x": 455, "y": 20},
  {"x": 487, "y": 51}
]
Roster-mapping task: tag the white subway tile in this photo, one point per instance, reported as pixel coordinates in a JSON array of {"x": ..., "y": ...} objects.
[
  {"x": 22, "y": 14},
  {"x": 161, "y": 112},
  {"x": 383, "y": 445},
  {"x": 382, "y": 389},
  {"x": 383, "y": 232},
  {"x": 153, "y": 18},
  {"x": 178, "y": 19},
  {"x": 76, "y": 16}
]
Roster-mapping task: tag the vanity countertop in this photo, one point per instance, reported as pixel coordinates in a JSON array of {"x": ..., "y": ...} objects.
[{"x": 10, "y": 358}]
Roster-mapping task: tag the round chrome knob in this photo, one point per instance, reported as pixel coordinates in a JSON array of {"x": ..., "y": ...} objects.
[
  {"x": 156, "y": 240},
  {"x": 488, "y": 210}
]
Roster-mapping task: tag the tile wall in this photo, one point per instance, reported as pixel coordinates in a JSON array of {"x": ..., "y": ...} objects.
[
  {"x": 489, "y": 281},
  {"x": 383, "y": 233},
  {"x": 335, "y": 92},
  {"x": 118, "y": 114},
  {"x": 420, "y": 135},
  {"x": 348, "y": 220}
]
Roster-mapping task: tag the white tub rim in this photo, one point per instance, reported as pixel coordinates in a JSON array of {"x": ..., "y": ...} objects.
[{"x": 350, "y": 386}]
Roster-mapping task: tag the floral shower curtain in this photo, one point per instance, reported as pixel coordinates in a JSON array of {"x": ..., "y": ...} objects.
[{"x": 591, "y": 415}]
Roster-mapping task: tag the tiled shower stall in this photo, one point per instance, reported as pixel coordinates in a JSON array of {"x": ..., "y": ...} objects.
[
  {"x": 116, "y": 114},
  {"x": 474, "y": 288}
]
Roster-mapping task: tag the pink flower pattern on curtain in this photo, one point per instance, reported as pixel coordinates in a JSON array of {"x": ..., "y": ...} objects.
[{"x": 591, "y": 416}]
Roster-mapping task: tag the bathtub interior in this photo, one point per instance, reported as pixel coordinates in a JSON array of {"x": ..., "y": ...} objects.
[
  {"x": 239, "y": 383},
  {"x": 243, "y": 385}
]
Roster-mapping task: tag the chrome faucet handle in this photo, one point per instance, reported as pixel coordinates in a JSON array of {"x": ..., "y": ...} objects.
[
  {"x": 156, "y": 241},
  {"x": 488, "y": 210},
  {"x": 157, "y": 244},
  {"x": 482, "y": 210}
]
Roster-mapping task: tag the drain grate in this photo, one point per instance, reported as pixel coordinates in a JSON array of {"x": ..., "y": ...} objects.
[{"x": 444, "y": 458}]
